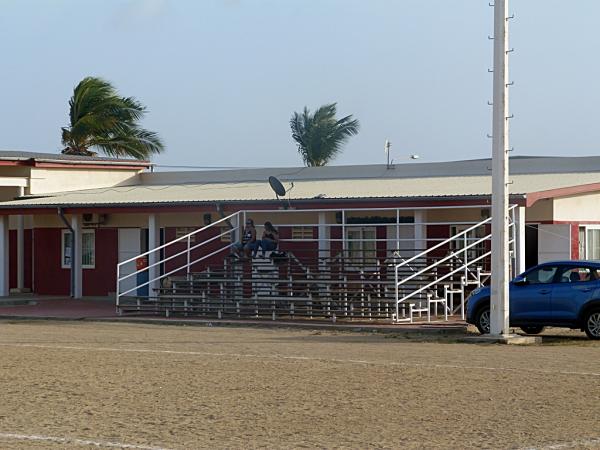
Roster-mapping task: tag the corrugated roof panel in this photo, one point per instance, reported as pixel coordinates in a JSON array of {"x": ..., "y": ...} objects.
[{"x": 330, "y": 189}]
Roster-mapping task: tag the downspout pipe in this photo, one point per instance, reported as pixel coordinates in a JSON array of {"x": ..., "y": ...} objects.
[{"x": 61, "y": 214}]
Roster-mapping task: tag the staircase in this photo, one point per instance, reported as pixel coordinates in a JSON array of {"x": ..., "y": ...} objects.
[{"x": 456, "y": 272}]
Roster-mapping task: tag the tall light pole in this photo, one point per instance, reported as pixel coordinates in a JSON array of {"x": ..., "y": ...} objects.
[{"x": 499, "y": 311}]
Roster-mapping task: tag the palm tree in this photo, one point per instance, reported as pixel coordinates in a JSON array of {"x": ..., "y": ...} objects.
[
  {"x": 101, "y": 119},
  {"x": 320, "y": 136}
]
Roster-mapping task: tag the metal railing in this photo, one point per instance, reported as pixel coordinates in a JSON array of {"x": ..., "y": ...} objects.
[
  {"x": 460, "y": 255},
  {"x": 335, "y": 270},
  {"x": 156, "y": 252}
]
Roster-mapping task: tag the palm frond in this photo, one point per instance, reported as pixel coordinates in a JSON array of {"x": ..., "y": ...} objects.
[
  {"x": 320, "y": 136},
  {"x": 99, "y": 117}
]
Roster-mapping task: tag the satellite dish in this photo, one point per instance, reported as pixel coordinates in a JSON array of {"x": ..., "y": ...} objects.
[{"x": 277, "y": 186}]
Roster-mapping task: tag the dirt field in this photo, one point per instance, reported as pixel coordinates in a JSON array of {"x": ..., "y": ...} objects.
[{"x": 106, "y": 385}]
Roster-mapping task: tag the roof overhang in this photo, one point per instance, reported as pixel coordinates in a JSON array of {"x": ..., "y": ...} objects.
[
  {"x": 298, "y": 204},
  {"x": 533, "y": 197},
  {"x": 82, "y": 164}
]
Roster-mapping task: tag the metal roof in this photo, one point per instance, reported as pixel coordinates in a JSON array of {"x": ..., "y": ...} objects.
[
  {"x": 519, "y": 165},
  {"x": 401, "y": 188}
]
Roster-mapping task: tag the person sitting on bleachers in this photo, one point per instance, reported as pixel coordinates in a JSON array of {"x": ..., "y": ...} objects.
[
  {"x": 249, "y": 243},
  {"x": 269, "y": 240}
]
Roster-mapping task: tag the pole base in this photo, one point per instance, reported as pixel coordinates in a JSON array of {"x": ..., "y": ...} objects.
[{"x": 509, "y": 339}]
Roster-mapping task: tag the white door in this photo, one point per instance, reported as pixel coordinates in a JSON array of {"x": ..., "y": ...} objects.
[
  {"x": 554, "y": 242},
  {"x": 129, "y": 247}
]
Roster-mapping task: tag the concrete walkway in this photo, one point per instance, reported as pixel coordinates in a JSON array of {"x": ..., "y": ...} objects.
[{"x": 30, "y": 307}]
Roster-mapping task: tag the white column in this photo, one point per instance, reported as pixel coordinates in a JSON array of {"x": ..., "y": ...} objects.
[
  {"x": 76, "y": 262},
  {"x": 420, "y": 230},
  {"x": 4, "y": 256},
  {"x": 20, "y": 248},
  {"x": 323, "y": 238},
  {"x": 500, "y": 253},
  {"x": 236, "y": 236},
  {"x": 153, "y": 257},
  {"x": 519, "y": 239}
]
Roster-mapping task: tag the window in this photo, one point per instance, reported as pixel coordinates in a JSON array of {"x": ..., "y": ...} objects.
[
  {"x": 543, "y": 275},
  {"x": 299, "y": 233},
  {"x": 576, "y": 274},
  {"x": 88, "y": 249},
  {"x": 184, "y": 231},
  {"x": 361, "y": 243},
  {"x": 592, "y": 243},
  {"x": 581, "y": 242}
]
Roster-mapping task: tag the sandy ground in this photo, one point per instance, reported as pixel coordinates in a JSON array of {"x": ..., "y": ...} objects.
[{"x": 107, "y": 385}]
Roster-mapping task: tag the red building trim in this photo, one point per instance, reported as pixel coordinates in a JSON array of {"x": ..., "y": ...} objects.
[{"x": 561, "y": 192}]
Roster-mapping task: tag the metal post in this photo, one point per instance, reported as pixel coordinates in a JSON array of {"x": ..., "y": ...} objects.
[
  {"x": 323, "y": 239},
  {"x": 188, "y": 258},
  {"x": 343, "y": 233},
  {"x": 500, "y": 264},
  {"x": 153, "y": 256},
  {"x": 397, "y": 231}
]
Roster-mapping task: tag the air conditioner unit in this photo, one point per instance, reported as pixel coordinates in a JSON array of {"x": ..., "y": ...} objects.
[{"x": 93, "y": 219}]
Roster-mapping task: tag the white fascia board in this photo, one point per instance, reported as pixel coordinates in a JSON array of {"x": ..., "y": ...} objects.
[{"x": 14, "y": 181}]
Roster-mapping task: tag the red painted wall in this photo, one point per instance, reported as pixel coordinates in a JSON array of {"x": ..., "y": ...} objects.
[
  {"x": 102, "y": 279},
  {"x": 52, "y": 279}
]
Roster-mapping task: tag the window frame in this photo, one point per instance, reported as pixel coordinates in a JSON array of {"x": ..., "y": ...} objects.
[
  {"x": 553, "y": 280},
  {"x": 64, "y": 233},
  {"x": 361, "y": 253},
  {"x": 588, "y": 228},
  {"x": 593, "y": 274}
]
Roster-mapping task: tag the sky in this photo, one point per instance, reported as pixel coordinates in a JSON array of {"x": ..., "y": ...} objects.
[{"x": 221, "y": 78}]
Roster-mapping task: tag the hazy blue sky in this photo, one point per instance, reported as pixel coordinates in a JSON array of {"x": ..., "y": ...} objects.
[{"x": 221, "y": 78}]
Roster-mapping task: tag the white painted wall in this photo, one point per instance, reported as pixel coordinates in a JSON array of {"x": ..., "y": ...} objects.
[
  {"x": 60, "y": 180},
  {"x": 585, "y": 207}
]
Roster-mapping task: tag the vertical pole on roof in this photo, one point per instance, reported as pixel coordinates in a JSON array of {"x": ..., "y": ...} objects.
[
  {"x": 4, "y": 256},
  {"x": 499, "y": 324}
]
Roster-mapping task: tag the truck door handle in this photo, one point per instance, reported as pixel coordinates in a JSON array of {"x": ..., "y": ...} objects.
[{"x": 544, "y": 291}]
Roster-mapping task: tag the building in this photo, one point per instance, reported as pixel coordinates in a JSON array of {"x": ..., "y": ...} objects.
[{"x": 117, "y": 210}]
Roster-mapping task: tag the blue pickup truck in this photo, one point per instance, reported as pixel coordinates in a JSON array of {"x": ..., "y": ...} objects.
[{"x": 559, "y": 294}]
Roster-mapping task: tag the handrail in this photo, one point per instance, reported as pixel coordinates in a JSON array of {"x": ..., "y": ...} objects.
[
  {"x": 181, "y": 238},
  {"x": 464, "y": 262}
]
